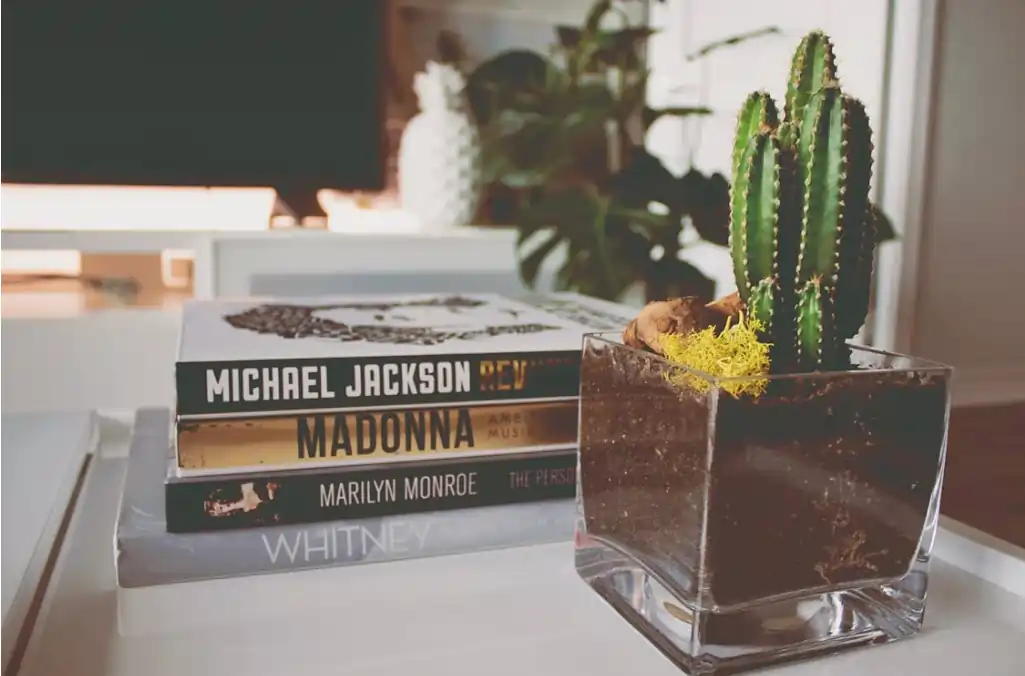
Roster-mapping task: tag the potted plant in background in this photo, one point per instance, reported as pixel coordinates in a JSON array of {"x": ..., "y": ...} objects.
[
  {"x": 752, "y": 488},
  {"x": 563, "y": 140}
]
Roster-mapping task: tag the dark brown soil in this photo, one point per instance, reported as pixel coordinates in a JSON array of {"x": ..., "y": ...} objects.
[{"x": 811, "y": 485}]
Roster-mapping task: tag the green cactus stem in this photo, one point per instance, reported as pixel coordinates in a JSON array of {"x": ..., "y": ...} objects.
[
  {"x": 757, "y": 114},
  {"x": 764, "y": 234},
  {"x": 816, "y": 321},
  {"x": 756, "y": 204},
  {"x": 812, "y": 67},
  {"x": 854, "y": 292},
  {"x": 835, "y": 168},
  {"x": 763, "y": 300},
  {"x": 802, "y": 229}
]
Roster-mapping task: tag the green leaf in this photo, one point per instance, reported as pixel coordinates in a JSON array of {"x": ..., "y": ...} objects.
[
  {"x": 531, "y": 178},
  {"x": 556, "y": 210},
  {"x": 513, "y": 78},
  {"x": 708, "y": 200},
  {"x": 631, "y": 96},
  {"x": 525, "y": 149},
  {"x": 565, "y": 278},
  {"x": 643, "y": 180},
  {"x": 601, "y": 239},
  {"x": 508, "y": 123},
  {"x": 629, "y": 38},
  {"x": 650, "y": 115},
  {"x": 581, "y": 274},
  {"x": 494, "y": 166},
  {"x": 673, "y": 278},
  {"x": 732, "y": 41},
  {"x": 594, "y": 95},
  {"x": 604, "y": 254},
  {"x": 885, "y": 231},
  {"x": 516, "y": 169},
  {"x": 531, "y": 264},
  {"x": 641, "y": 217},
  {"x": 568, "y": 37},
  {"x": 622, "y": 48},
  {"x": 594, "y": 15},
  {"x": 589, "y": 50},
  {"x": 589, "y": 106}
]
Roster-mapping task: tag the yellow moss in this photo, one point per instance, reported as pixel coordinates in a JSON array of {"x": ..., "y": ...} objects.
[{"x": 734, "y": 352}]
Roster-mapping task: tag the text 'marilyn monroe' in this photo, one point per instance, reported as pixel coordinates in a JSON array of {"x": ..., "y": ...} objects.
[
  {"x": 311, "y": 382},
  {"x": 409, "y": 489}
]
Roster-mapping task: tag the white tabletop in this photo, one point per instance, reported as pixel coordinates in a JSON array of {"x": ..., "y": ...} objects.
[
  {"x": 518, "y": 611},
  {"x": 42, "y": 455}
]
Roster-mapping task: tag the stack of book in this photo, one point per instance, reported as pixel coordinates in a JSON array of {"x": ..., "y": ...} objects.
[{"x": 361, "y": 428}]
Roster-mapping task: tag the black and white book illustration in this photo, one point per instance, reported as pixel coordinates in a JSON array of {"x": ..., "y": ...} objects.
[
  {"x": 254, "y": 499},
  {"x": 368, "y": 325},
  {"x": 600, "y": 315}
]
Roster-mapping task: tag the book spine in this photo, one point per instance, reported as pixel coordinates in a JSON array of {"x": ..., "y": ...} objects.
[
  {"x": 279, "y": 386},
  {"x": 155, "y": 558},
  {"x": 371, "y": 436},
  {"x": 356, "y": 492}
]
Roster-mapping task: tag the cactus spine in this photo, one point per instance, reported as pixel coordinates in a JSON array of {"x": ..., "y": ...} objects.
[{"x": 802, "y": 229}]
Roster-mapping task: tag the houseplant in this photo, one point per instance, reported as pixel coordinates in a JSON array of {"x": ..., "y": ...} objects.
[
  {"x": 752, "y": 488},
  {"x": 563, "y": 141}
]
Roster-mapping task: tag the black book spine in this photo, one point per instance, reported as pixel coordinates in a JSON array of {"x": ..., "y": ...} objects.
[
  {"x": 381, "y": 490},
  {"x": 278, "y": 386}
]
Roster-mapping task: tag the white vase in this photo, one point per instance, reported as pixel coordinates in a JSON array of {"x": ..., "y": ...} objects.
[{"x": 439, "y": 172}]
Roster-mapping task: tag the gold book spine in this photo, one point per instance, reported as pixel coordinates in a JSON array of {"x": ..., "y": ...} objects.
[{"x": 355, "y": 436}]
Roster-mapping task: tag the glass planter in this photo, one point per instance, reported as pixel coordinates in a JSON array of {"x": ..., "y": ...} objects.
[{"x": 740, "y": 532}]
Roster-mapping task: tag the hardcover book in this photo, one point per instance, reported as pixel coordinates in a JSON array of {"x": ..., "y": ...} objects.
[
  {"x": 395, "y": 435},
  {"x": 195, "y": 504},
  {"x": 147, "y": 555},
  {"x": 361, "y": 352}
]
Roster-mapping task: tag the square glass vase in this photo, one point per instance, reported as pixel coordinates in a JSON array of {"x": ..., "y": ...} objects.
[{"x": 740, "y": 531}]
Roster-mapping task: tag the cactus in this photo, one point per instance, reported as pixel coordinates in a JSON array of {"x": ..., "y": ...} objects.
[
  {"x": 758, "y": 113},
  {"x": 802, "y": 229},
  {"x": 813, "y": 67}
]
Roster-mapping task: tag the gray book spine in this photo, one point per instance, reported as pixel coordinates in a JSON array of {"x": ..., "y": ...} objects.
[{"x": 147, "y": 555}]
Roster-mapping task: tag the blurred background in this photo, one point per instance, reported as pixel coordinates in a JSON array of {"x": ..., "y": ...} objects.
[{"x": 189, "y": 149}]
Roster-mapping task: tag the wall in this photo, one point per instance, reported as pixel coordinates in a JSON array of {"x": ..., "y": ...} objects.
[
  {"x": 485, "y": 27},
  {"x": 971, "y": 272},
  {"x": 725, "y": 77},
  {"x": 483, "y": 34},
  {"x": 491, "y": 26}
]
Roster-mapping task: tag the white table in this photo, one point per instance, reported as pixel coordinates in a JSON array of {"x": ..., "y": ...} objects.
[
  {"x": 520, "y": 611},
  {"x": 42, "y": 460}
]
